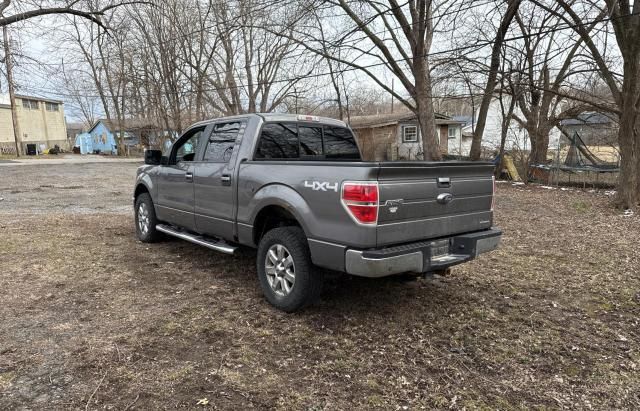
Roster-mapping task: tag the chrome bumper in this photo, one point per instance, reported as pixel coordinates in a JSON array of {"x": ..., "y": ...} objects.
[
  {"x": 358, "y": 264},
  {"x": 421, "y": 256}
]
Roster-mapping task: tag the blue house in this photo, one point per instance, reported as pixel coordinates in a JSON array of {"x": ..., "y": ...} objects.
[
  {"x": 102, "y": 138},
  {"x": 99, "y": 139}
]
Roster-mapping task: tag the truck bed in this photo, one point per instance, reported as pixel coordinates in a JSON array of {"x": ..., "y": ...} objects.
[{"x": 408, "y": 198}]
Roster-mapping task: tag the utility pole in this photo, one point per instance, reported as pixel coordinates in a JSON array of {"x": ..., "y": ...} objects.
[
  {"x": 346, "y": 96},
  {"x": 12, "y": 96},
  {"x": 392, "y": 91}
]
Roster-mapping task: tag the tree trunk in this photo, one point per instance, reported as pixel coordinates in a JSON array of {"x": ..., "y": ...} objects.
[
  {"x": 426, "y": 120},
  {"x": 476, "y": 143},
  {"x": 426, "y": 117},
  {"x": 504, "y": 130},
  {"x": 121, "y": 151},
  {"x": 539, "y": 139},
  {"x": 628, "y": 183},
  {"x": 629, "y": 136}
]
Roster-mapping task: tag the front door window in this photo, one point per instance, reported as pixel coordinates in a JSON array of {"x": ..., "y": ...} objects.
[{"x": 186, "y": 149}]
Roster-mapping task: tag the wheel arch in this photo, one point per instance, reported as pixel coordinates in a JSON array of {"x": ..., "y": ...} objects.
[
  {"x": 140, "y": 188},
  {"x": 144, "y": 184},
  {"x": 278, "y": 205},
  {"x": 271, "y": 216}
]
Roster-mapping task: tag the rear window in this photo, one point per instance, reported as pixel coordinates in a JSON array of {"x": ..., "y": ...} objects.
[
  {"x": 299, "y": 141},
  {"x": 310, "y": 140},
  {"x": 339, "y": 143}
]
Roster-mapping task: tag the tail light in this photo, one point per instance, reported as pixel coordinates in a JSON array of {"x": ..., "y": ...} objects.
[
  {"x": 493, "y": 193},
  {"x": 360, "y": 199}
]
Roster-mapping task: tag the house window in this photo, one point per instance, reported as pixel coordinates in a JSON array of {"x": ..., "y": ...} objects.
[
  {"x": 452, "y": 131},
  {"x": 409, "y": 134},
  {"x": 51, "y": 106},
  {"x": 30, "y": 104}
]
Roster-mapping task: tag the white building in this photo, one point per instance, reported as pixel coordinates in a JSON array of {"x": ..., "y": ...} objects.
[
  {"x": 41, "y": 123},
  {"x": 517, "y": 136}
]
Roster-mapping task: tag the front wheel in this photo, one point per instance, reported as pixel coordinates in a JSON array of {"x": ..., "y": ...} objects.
[
  {"x": 287, "y": 276},
  {"x": 146, "y": 219}
]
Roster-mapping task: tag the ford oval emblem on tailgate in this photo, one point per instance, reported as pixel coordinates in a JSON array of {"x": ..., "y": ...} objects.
[{"x": 444, "y": 198}]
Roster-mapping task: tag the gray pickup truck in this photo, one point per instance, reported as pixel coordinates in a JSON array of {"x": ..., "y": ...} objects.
[{"x": 295, "y": 188}]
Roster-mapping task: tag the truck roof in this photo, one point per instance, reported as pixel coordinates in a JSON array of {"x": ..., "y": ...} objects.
[
  {"x": 301, "y": 117},
  {"x": 280, "y": 117}
]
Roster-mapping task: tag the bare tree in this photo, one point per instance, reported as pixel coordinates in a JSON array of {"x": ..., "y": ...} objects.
[
  {"x": 624, "y": 17},
  {"x": 334, "y": 67},
  {"x": 28, "y": 10},
  {"x": 547, "y": 66},
  {"x": 182, "y": 61},
  {"x": 105, "y": 56},
  {"x": 75, "y": 83},
  {"x": 494, "y": 67},
  {"x": 396, "y": 35},
  {"x": 508, "y": 86},
  {"x": 158, "y": 51},
  {"x": 267, "y": 66}
]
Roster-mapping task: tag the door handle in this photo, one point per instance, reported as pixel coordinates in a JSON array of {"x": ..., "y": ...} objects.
[
  {"x": 444, "y": 182},
  {"x": 226, "y": 179},
  {"x": 188, "y": 176}
]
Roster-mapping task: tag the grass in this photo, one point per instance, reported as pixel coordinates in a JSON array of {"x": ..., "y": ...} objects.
[
  {"x": 547, "y": 321},
  {"x": 581, "y": 206}
]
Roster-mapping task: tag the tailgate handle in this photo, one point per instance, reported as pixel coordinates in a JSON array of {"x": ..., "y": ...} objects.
[{"x": 444, "y": 182}]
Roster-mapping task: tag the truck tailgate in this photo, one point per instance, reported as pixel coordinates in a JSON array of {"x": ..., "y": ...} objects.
[{"x": 431, "y": 199}]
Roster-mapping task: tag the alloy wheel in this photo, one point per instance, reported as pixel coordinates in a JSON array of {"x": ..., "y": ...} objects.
[{"x": 280, "y": 270}]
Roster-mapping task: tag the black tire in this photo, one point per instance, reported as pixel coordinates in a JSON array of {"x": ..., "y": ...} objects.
[
  {"x": 307, "y": 286},
  {"x": 150, "y": 235}
]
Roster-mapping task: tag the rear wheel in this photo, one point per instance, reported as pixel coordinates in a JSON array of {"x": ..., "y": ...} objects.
[
  {"x": 287, "y": 276},
  {"x": 146, "y": 219}
]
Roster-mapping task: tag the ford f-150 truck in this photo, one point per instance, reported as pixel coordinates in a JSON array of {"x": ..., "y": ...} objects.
[{"x": 295, "y": 188}]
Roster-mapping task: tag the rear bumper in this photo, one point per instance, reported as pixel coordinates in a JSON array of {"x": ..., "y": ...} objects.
[{"x": 421, "y": 256}]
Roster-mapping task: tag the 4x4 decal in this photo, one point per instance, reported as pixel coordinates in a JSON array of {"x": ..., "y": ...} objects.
[{"x": 321, "y": 185}]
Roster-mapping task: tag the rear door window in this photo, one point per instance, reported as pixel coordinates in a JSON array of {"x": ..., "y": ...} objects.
[
  {"x": 340, "y": 144},
  {"x": 222, "y": 141},
  {"x": 278, "y": 141}
]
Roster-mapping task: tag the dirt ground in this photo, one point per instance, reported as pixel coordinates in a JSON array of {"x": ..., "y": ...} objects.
[{"x": 93, "y": 319}]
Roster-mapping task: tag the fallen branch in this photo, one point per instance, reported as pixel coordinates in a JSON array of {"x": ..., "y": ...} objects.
[{"x": 94, "y": 391}]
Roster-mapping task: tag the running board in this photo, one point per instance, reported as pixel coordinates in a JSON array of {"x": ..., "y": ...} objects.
[{"x": 196, "y": 239}]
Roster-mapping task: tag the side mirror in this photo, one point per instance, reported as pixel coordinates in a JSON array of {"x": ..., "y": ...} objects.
[{"x": 152, "y": 157}]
